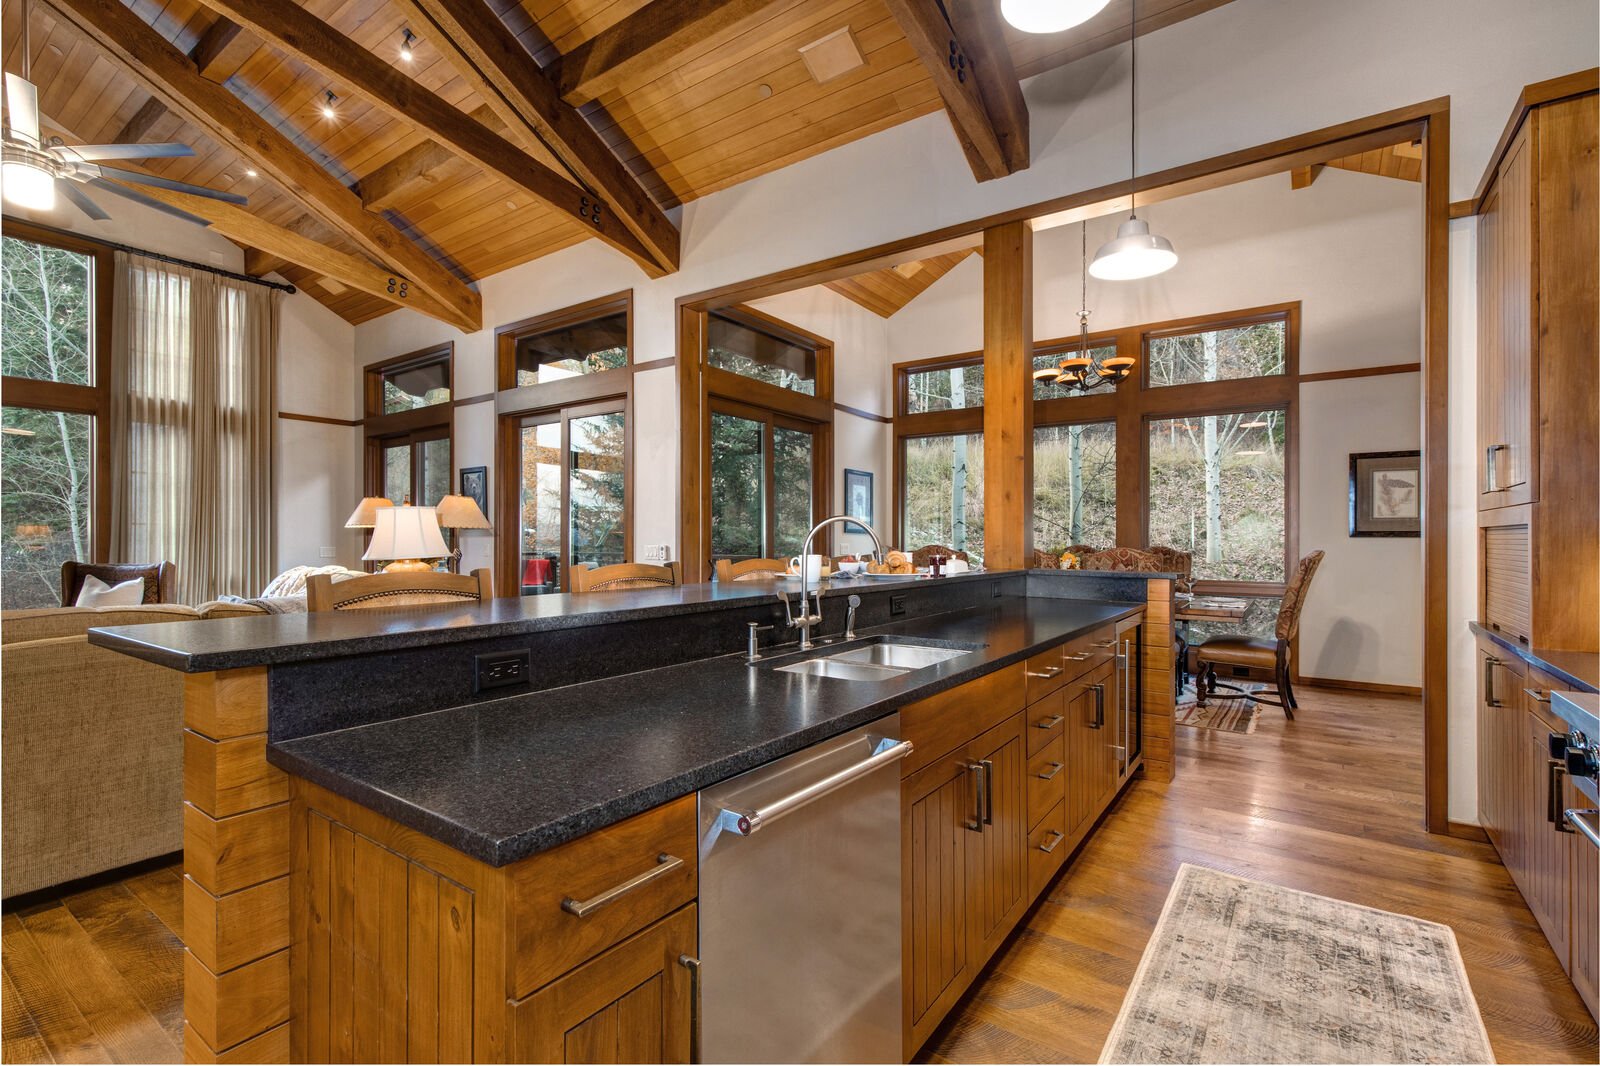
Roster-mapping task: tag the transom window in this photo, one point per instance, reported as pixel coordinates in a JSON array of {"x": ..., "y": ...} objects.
[
  {"x": 1229, "y": 353},
  {"x": 743, "y": 347},
  {"x": 410, "y": 386}
]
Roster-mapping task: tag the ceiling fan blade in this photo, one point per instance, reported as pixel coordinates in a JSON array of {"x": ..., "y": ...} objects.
[
  {"x": 141, "y": 178},
  {"x": 23, "y": 101},
  {"x": 140, "y": 198},
  {"x": 165, "y": 150},
  {"x": 81, "y": 201}
]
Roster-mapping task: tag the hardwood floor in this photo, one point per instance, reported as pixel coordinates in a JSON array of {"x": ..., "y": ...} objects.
[{"x": 1329, "y": 804}]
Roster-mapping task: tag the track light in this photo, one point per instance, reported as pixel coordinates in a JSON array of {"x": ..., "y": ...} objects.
[
  {"x": 407, "y": 39},
  {"x": 329, "y": 110}
]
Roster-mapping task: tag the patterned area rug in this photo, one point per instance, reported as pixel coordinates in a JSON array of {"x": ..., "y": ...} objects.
[
  {"x": 1243, "y": 971},
  {"x": 1229, "y": 715}
]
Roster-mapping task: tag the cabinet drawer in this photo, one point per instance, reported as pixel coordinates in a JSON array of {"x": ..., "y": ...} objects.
[
  {"x": 940, "y": 724},
  {"x": 1052, "y": 668},
  {"x": 1047, "y": 849},
  {"x": 1046, "y": 721},
  {"x": 1047, "y": 672},
  {"x": 1046, "y": 778},
  {"x": 649, "y": 862}
]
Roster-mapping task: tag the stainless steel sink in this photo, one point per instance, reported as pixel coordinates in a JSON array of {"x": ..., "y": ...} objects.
[
  {"x": 903, "y": 656},
  {"x": 844, "y": 671}
]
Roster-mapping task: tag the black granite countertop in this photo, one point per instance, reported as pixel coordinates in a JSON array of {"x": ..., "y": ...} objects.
[
  {"x": 1579, "y": 669},
  {"x": 275, "y": 639},
  {"x": 505, "y": 779}
]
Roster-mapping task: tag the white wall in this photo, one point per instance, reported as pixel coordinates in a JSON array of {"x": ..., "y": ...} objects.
[{"x": 314, "y": 481}]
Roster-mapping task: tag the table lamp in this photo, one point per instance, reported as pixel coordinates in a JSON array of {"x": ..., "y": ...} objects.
[
  {"x": 408, "y": 536},
  {"x": 365, "y": 514},
  {"x": 459, "y": 512}
]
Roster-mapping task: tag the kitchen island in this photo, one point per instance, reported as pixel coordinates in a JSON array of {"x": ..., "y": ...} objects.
[{"x": 383, "y": 857}]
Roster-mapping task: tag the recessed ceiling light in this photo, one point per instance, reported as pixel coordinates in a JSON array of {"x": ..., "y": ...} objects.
[
  {"x": 329, "y": 105},
  {"x": 249, "y": 172},
  {"x": 407, "y": 40}
]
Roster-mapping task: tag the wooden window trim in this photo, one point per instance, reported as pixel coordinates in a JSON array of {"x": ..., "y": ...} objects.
[
  {"x": 530, "y": 397},
  {"x": 372, "y": 386},
  {"x": 92, "y": 399}
]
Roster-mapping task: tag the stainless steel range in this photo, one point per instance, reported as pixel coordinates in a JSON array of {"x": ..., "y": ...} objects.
[{"x": 1578, "y": 755}]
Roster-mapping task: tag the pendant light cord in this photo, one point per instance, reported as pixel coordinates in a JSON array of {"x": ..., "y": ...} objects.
[
  {"x": 1133, "y": 108},
  {"x": 1083, "y": 288}
]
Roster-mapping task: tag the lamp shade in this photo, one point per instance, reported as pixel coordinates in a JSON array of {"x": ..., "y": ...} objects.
[
  {"x": 406, "y": 533},
  {"x": 1049, "y": 16},
  {"x": 1133, "y": 253},
  {"x": 366, "y": 512},
  {"x": 461, "y": 512}
]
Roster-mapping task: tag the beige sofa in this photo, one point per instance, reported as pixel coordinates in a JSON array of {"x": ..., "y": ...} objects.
[{"x": 92, "y": 744}]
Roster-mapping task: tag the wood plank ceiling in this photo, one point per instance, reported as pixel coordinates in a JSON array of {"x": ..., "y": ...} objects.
[
  {"x": 691, "y": 96},
  {"x": 885, "y": 292}
]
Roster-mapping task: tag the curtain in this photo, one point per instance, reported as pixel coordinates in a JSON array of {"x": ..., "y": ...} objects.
[{"x": 191, "y": 421}]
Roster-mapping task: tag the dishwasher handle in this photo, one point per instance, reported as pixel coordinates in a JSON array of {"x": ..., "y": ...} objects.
[{"x": 747, "y": 822}]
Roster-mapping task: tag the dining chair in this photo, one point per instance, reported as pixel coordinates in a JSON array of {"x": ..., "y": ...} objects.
[
  {"x": 923, "y": 556},
  {"x": 427, "y": 588},
  {"x": 750, "y": 569},
  {"x": 1242, "y": 650},
  {"x": 586, "y": 578}
]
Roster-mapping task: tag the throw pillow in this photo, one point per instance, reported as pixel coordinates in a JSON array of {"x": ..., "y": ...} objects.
[{"x": 96, "y": 593}]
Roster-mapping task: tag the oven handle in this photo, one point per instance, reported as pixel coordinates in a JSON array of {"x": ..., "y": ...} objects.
[
  {"x": 1575, "y": 819},
  {"x": 745, "y": 823}
]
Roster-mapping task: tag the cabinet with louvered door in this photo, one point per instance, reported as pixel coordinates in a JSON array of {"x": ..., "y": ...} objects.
[
  {"x": 941, "y": 809},
  {"x": 1543, "y": 864},
  {"x": 997, "y": 868},
  {"x": 1508, "y": 330},
  {"x": 1497, "y": 798},
  {"x": 1091, "y": 747}
]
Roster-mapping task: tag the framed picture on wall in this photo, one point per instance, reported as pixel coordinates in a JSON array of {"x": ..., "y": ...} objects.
[
  {"x": 1386, "y": 494},
  {"x": 857, "y": 498},
  {"x": 475, "y": 484}
]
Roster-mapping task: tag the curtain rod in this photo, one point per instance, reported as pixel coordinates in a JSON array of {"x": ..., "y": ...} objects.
[{"x": 190, "y": 263}]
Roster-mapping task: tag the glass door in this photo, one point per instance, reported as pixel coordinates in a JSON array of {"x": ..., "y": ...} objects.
[
  {"x": 572, "y": 492},
  {"x": 764, "y": 482}
]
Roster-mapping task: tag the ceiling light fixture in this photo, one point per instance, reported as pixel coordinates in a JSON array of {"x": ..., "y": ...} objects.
[
  {"x": 1134, "y": 252},
  {"x": 1050, "y": 16},
  {"x": 329, "y": 110},
  {"x": 249, "y": 172},
  {"x": 407, "y": 39},
  {"x": 1083, "y": 372},
  {"x": 26, "y": 178}
]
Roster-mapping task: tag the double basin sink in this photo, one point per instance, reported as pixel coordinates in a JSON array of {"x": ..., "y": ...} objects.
[{"x": 880, "y": 661}]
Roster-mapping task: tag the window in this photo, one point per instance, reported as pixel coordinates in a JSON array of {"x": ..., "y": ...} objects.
[
  {"x": 408, "y": 426},
  {"x": 1216, "y": 486},
  {"x": 1248, "y": 350},
  {"x": 1074, "y": 486},
  {"x": 945, "y": 388},
  {"x": 415, "y": 385},
  {"x": 591, "y": 346},
  {"x": 763, "y": 483},
  {"x": 942, "y": 500},
  {"x": 54, "y": 426},
  {"x": 744, "y": 346}
]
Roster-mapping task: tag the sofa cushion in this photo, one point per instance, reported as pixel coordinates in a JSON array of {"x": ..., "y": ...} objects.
[
  {"x": 96, "y": 593},
  {"x": 42, "y": 623}
]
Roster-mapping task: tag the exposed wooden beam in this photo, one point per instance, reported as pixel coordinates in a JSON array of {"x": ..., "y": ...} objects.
[
  {"x": 409, "y": 175},
  {"x": 966, "y": 56},
  {"x": 259, "y": 261},
  {"x": 643, "y": 44},
  {"x": 310, "y": 252},
  {"x": 222, "y": 50},
  {"x": 338, "y": 57},
  {"x": 497, "y": 67},
  {"x": 1302, "y": 177},
  {"x": 127, "y": 39},
  {"x": 133, "y": 131}
]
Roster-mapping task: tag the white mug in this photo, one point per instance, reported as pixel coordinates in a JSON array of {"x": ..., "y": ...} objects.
[{"x": 812, "y": 571}]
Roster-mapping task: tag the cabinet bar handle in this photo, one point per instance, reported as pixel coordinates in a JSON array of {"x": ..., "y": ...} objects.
[
  {"x": 975, "y": 823},
  {"x": 1056, "y": 837},
  {"x": 1553, "y": 810},
  {"x": 988, "y": 792},
  {"x": 1489, "y": 663},
  {"x": 1076, "y": 658},
  {"x": 1054, "y": 671},
  {"x": 1491, "y": 478},
  {"x": 1048, "y": 723},
  {"x": 1099, "y": 706},
  {"x": 665, "y": 864},
  {"x": 1055, "y": 768},
  {"x": 692, "y": 964},
  {"x": 1536, "y": 695}
]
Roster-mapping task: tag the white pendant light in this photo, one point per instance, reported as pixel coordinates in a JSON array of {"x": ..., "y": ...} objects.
[
  {"x": 1050, "y": 16},
  {"x": 1134, "y": 252}
]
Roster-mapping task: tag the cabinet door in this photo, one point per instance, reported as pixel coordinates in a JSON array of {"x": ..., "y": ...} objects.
[
  {"x": 1510, "y": 458},
  {"x": 997, "y": 857},
  {"x": 1493, "y": 762},
  {"x": 1490, "y": 293},
  {"x": 1583, "y": 961},
  {"x": 634, "y": 1003},
  {"x": 1546, "y": 847},
  {"x": 942, "y": 810}
]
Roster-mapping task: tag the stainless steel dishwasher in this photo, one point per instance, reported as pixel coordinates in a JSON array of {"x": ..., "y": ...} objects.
[{"x": 800, "y": 905}]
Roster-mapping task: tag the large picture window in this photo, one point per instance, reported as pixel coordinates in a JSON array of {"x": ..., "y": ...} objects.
[
  {"x": 1074, "y": 486},
  {"x": 942, "y": 495},
  {"x": 764, "y": 475},
  {"x": 55, "y": 419}
]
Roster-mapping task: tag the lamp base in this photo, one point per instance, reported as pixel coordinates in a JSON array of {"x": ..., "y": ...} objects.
[{"x": 407, "y": 566}]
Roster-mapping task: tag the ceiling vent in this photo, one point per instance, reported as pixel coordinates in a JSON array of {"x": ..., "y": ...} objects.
[{"x": 832, "y": 56}]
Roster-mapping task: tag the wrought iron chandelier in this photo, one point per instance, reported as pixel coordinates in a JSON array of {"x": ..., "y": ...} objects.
[{"x": 1083, "y": 372}]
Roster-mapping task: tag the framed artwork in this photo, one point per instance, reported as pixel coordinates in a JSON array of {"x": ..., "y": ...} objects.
[
  {"x": 857, "y": 498},
  {"x": 1386, "y": 494},
  {"x": 475, "y": 483}
]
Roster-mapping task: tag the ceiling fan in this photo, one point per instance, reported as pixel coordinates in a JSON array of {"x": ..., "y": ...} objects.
[{"x": 33, "y": 170}]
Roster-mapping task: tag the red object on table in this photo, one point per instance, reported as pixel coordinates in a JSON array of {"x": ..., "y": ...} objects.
[{"x": 535, "y": 572}]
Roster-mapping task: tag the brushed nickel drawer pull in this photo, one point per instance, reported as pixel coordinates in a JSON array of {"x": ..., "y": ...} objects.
[
  {"x": 1076, "y": 658},
  {"x": 1536, "y": 695},
  {"x": 665, "y": 864},
  {"x": 1054, "y": 671},
  {"x": 1055, "y": 768},
  {"x": 1048, "y": 723},
  {"x": 1058, "y": 836}
]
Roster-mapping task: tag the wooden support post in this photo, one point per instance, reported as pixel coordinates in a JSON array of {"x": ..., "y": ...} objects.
[
  {"x": 1008, "y": 396},
  {"x": 236, "y": 874}
]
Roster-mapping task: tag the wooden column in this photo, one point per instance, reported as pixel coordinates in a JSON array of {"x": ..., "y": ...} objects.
[
  {"x": 1159, "y": 702},
  {"x": 236, "y": 874},
  {"x": 1008, "y": 396}
]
